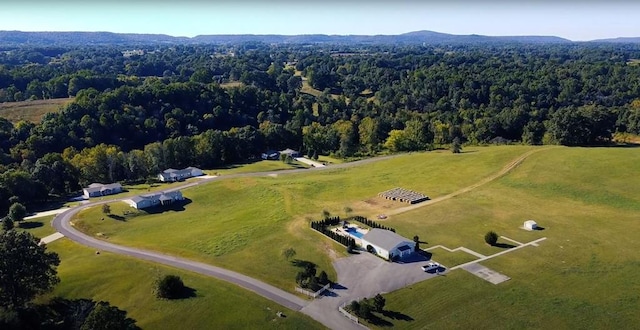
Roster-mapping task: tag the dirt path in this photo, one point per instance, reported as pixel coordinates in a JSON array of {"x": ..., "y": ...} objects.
[{"x": 510, "y": 166}]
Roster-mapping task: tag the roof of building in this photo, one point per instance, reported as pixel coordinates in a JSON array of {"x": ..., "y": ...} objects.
[
  {"x": 136, "y": 199},
  {"x": 288, "y": 151},
  {"x": 99, "y": 186},
  {"x": 163, "y": 196},
  {"x": 173, "y": 172},
  {"x": 385, "y": 239}
]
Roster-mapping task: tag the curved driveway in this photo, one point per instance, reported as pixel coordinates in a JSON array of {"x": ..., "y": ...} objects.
[
  {"x": 331, "y": 319},
  {"x": 62, "y": 223}
]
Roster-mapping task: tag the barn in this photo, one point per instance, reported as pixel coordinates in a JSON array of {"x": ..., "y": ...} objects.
[{"x": 387, "y": 244}]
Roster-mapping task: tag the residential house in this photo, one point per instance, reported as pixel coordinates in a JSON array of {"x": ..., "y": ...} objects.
[
  {"x": 290, "y": 152},
  {"x": 157, "y": 199},
  {"x": 172, "y": 175},
  {"x": 270, "y": 155},
  {"x": 99, "y": 189}
]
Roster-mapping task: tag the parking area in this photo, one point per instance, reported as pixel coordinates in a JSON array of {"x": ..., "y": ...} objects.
[
  {"x": 485, "y": 273},
  {"x": 366, "y": 275}
]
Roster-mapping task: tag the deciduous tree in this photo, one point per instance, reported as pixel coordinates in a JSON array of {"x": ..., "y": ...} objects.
[{"x": 26, "y": 270}]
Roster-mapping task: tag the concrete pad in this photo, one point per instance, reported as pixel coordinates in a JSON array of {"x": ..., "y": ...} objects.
[
  {"x": 485, "y": 273},
  {"x": 309, "y": 162},
  {"x": 207, "y": 176},
  {"x": 51, "y": 238},
  {"x": 46, "y": 213}
]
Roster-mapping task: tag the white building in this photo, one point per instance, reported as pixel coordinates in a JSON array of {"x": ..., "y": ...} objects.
[
  {"x": 150, "y": 200},
  {"x": 387, "y": 244},
  {"x": 99, "y": 189},
  {"x": 530, "y": 225},
  {"x": 171, "y": 175}
]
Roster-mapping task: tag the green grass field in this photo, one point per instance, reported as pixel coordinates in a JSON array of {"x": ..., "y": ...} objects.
[
  {"x": 38, "y": 227},
  {"x": 30, "y": 110},
  {"x": 259, "y": 166},
  {"x": 233, "y": 223},
  {"x": 128, "y": 284},
  {"x": 587, "y": 200},
  {"x": 583, "y": 275}
]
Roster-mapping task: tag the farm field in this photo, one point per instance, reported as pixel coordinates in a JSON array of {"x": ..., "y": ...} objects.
[
  {"x": 236, "y": 223},
  {"x": 587, "y": 201},
  {"x": 30, "y": 110}
]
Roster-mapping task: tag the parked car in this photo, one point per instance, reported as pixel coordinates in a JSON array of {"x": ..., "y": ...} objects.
[{"x": 431, "y": 266}]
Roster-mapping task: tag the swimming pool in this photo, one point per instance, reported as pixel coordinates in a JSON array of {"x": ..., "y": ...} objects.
[{"x": 354, "y": 232}]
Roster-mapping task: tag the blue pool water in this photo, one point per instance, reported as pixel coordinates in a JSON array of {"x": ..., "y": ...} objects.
[{"x": 354, "y": 232}]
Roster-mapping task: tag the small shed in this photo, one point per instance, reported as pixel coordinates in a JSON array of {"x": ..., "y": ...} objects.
[{"x": 530, "y": 225}]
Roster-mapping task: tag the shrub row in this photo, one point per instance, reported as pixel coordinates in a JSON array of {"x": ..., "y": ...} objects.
[
  {"x": 321, "y": 226},
  {"x": 371, "y": 223}
]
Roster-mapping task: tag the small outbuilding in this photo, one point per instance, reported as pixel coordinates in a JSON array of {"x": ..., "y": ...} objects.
[{"x": 530, "y": 225}]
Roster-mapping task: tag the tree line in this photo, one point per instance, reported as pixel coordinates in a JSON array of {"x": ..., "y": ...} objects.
[{"x": 212, "y": 105}]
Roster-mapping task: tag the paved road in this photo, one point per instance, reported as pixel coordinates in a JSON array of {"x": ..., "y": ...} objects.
[
  {"x": 46, "y": 213},
  {"x": 325, "y": 315},
  {"x": 62, "y": 223}
]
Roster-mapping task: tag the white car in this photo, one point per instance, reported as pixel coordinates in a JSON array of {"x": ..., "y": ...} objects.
[{"x": 431, "y": 266}]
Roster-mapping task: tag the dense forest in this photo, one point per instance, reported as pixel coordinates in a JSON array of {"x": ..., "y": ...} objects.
[{"x": 137, "y": 111}]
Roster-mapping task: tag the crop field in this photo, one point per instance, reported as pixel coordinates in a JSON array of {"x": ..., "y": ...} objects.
[{"x": 30, "y": 110}]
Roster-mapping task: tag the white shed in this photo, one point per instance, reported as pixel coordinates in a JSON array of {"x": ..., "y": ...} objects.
[
  {"x": 530, "y": 225},
  {"x": 387, "y": 244}
]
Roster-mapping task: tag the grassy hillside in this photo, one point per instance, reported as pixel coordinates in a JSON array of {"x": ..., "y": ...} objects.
[
  {"x": 583, "y": 276},
  {"x": 244, "y": 224},
  {"x": 587, "y": 200},
  {"x": 128, "y": 284},
  {"x": 30, "y": 110}
]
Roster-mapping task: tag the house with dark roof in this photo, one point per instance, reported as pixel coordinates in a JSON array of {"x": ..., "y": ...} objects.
[
  {"x": 270, "y": 155},
  {"x": 157, "y": 199},
  {"x": 387, "y": 244},
  {"x": 172, "y": 175},
  {"x": 99, "y": 189}
]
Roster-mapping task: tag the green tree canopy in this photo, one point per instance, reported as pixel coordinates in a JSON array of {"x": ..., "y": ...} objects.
[
  {"x": 26, "y": 268},
  {"x": 107, "y": 317}
]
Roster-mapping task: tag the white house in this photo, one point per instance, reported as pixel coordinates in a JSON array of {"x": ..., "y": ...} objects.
[
  {"x": 387, "y": 244},
  {"x": 150, "y": 200},
  {"x": 530, "y": 225},
  {"x": 171, "y": 175},
  {"x": 99, "y": 189},
  {"x": 290, "y": 152}
]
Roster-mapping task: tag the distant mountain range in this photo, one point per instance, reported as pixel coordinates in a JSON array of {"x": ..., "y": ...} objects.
[{"x": 12, "y": 38}]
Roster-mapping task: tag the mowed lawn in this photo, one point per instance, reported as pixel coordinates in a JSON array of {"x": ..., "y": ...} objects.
[
  {"x": 585, "y": 275},
  {"x": 244, "y": 224},
  {"x": 31, "y": 110},
  {"x": 128, "y": 283}
]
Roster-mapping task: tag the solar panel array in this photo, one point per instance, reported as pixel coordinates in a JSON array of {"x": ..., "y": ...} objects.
[{"x": 404, "y": 195}]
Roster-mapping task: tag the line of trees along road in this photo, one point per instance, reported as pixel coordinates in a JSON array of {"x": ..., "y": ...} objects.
[{"x": 136, "y": 115}]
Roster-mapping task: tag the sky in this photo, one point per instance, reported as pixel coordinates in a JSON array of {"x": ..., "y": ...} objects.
[{"x": 572, "y": 19}]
